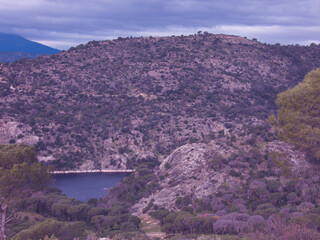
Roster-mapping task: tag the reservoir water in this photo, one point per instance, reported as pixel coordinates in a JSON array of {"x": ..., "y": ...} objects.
[{"x": 83, "y": 186}]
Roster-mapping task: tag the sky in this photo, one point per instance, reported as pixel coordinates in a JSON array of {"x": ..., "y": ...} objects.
[{"x": 67, "y": 23}]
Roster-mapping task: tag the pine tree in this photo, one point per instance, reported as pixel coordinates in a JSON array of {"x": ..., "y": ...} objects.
[
  {"x": 20, "y": 173},
  {"x": 298, "y": 118}
]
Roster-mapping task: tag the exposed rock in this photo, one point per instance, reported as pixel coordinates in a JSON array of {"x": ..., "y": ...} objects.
[
  {"x": 21, "y": 134},
  {"x": 202, "y": 170},
  {"x": 186, "y": 172}
]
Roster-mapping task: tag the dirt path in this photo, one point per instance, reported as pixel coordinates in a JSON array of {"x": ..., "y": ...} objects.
[{"x": 151, "y": 227}]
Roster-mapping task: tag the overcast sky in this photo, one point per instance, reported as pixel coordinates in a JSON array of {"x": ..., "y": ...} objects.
[{"x": 66, "y": 23}]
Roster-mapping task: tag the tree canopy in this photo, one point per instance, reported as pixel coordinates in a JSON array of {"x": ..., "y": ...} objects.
[
  {"x": 298, "y": 118},
  {"x": 20, "y": 173}
]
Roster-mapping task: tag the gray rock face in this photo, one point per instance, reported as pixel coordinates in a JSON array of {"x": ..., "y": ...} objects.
[
  {"x": 11, "y": 130},
  {"x": 192, "y": 172},
  {"x": 201, "y": 170},
  {"x": 186, "y": 172}
]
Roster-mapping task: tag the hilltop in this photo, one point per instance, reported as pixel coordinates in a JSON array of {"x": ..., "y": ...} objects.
[
  {"x": 14, "y": 47},
  {"x": 116, "y": 104}
]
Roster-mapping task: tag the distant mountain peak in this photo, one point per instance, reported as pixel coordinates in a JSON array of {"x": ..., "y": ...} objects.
[
  {"x": 16, "y": 43},
  {"x": 14, "y": 47}
]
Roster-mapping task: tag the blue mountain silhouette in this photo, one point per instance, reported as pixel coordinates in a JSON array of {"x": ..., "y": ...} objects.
[{"x": 16, "y": 43}]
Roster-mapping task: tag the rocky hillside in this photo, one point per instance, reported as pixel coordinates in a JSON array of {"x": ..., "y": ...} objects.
[
  {"x": 115, "y": 104},
  {"x": 227, "y": 187},
  {"x": 218, "y": 170}
]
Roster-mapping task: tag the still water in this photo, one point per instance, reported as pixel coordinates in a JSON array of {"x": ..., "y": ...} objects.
[{"x": 87, "y": 185}]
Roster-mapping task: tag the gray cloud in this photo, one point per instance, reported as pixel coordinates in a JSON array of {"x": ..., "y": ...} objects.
[{"x": 66, "y": 23}]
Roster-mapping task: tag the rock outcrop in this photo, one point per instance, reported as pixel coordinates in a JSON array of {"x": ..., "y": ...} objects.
[{"x": 205, "y": 170}]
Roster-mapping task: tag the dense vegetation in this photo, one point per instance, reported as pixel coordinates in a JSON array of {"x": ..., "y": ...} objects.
[
  {"x": 34, "y": 210},
  {"x": 52, "y": 213},
  {"x": 20, "y": 174},
  {"x": 298, "y": 119},
  {"x": 112, "y": 104}
]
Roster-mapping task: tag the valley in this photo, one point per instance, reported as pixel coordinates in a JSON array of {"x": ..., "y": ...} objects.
[{"x": 194, "y": 125}]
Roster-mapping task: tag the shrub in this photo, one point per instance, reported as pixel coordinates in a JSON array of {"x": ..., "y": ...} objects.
[
  {"x": 128, "y": 227},
  {"x": 97, "y": 211},
  {"x": 305, "y": 206},
  {"x": 183, "y": 201},
  {"x": 276, "y": 229},
  {"x": 273, "y": 185},
  {"x": 61, "y": 230},
  {"x": 167, "y": 228},
  {"x": 170, "y": 218},
  {"x": 187, "y": 209},
  {"x": 265, "y": 210},
  {"x": 160, "y": 214}
]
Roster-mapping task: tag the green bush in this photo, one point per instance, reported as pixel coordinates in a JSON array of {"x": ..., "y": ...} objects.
[
  {"x": 61, "y": 230},
  {"x": 265, "y": 210},
  {"x": 273, "y": 185},
  {"x": 128, "y": 227}
]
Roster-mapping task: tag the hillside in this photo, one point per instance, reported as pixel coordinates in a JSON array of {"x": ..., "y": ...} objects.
[
  {"x": 14, "y": 47},
  {"x": 115, "y": 104},
  {"x": 227, "y": 187}
]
